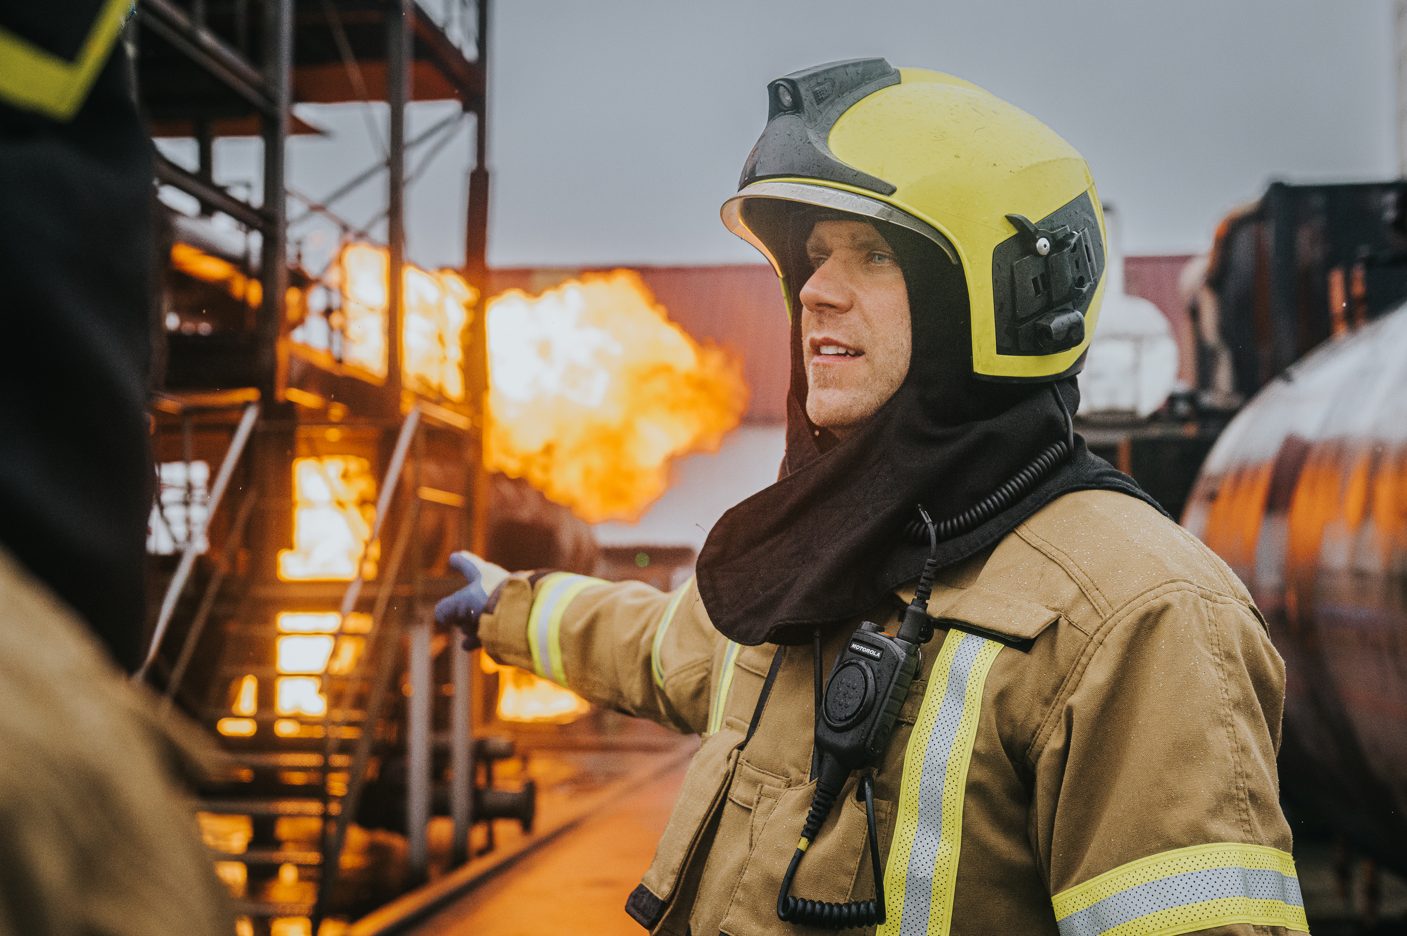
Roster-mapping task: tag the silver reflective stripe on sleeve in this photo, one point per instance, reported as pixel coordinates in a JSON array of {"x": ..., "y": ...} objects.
[
  {"x": 1184, "y": 890},
  {"x": 923, "y": 859}
]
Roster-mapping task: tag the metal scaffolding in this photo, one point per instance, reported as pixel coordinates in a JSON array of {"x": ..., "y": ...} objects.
[{"x": 237, "y": 396}]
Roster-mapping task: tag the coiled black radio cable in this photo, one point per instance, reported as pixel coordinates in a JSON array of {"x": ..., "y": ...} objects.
[
  {"x": 850, "y": 915},
  {"x": 836, "y": 761},
  {"x": 1013, "y": 490}
]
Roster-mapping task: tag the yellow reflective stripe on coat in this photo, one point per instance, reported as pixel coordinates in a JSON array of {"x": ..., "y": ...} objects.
[
  {"x": 923, "y": 857},
  {"x": 665, "y": 620},
  {"x": 725, "y": 683},
  {"x": 554, "y": 593},
  {"x": 36, "y": 79},
  {"x": 1185, "y": 890}
]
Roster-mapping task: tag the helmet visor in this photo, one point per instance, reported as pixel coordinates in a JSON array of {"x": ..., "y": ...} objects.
[{"x": 734, "y": 215}]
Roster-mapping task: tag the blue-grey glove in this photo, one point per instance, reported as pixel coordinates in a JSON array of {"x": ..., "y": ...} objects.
[{"x": 462, "y": 609}]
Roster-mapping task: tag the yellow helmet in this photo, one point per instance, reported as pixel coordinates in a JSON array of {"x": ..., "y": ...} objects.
[{"x": 998, "y": 191}]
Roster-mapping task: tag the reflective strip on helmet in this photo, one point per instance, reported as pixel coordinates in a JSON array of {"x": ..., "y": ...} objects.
[
  {"x": 923, "y": 859},
  {"x": 36, "y": 79},
  {"x": 725, "y": 683},
  {"x": 1185, "y": 890},
  {"x": 828, "y": 195},
  {"x": 555, "y": 592},
  {"x": 665, "y": 621}
]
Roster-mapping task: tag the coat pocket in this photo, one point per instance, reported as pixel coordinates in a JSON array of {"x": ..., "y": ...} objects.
[
  {"x": 699, "y": 799},
  {"x": 828, "y": 872}
]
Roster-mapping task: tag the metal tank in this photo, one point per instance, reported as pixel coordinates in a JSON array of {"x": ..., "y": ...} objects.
[{"x": 1305, "y": 497}]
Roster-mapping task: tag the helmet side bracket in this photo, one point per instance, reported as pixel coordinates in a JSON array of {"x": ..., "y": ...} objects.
[{"x": 1044, "y": 279}]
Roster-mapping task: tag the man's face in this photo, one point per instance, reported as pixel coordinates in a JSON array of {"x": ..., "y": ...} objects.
[{"x": 854, "y": 325}]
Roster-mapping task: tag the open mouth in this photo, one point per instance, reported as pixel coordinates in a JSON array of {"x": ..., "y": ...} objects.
[{"x": 833, "y": 350}]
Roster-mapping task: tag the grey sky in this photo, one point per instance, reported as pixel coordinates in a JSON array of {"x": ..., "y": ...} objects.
[{"x": 617, "y": 127}]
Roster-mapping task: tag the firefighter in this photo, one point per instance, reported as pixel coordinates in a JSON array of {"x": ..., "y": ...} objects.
[
  {"x": 98, "y": 834},
  {"x": 1088, "y": 741}
]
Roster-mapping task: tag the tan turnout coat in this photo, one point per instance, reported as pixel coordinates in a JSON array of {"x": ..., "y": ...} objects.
[{"x": 1119, "y": 754}]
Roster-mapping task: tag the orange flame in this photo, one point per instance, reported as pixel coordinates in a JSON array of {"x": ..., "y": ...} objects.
[
  {"x": 526, "y": 697},
  {"x": 362, "y": 272},
  {"x": 437, "y": 309},
  {"x": 592, "y": 391},
  {"x": 333, "y": 509}
]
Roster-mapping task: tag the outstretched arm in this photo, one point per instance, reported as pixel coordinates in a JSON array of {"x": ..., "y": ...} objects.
[{"x": 624, "y": 646}]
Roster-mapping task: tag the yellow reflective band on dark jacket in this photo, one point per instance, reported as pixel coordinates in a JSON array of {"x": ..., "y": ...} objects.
[
  {"x": 923, "y": 859},
  {"x": 36, "y": 79},
  {"x": 1185, "y": 890},
  {"x": 545, "y": 622}
]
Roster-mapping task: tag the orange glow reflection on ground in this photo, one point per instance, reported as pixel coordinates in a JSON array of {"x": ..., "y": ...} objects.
[
  {"x": 333, "y": 509},
  {"x": 527, "y": 697},
  {"x": 593, "y": 391}
]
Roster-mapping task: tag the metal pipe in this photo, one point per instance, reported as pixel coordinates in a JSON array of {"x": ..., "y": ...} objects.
[
  {"x": 273, "y": 275},
  {"x": 205, "y": 146},
  {"x": 398, "y": 61},
  {"x": 476, "y": 272},
  {"x": 207, "y": 602},
  {"x": 419, "y": 170},
  {"x": 461, "y": 750},
  {"x": 418, "y": 726},
  {"x": 208, "y": 51},
  {"x": 366, "y": 175},
  {"x": 383, "y": 500},
  {"x": 191, "y": 550},
  {"x": 348, "y": 228},
  {"x": 386, "y": 633},
  {"x": 168, "y": 173}
]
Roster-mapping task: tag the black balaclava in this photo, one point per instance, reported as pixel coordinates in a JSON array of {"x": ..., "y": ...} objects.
[{"x": 825, "y": 543}]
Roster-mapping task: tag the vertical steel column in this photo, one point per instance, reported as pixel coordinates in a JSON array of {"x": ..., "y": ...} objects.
[
  {"x": 399, "y": 48},
  {"x": 421, "y": 710},
  {"x": 476, "y": 272},
  {"x": 273, "y": 274},
  {"x": 205, "y": 160},
  {"x": 461, "y": 750}
]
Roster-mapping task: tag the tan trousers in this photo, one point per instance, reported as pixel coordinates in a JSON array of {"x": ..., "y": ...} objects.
[{"x": 97, "y": 835}]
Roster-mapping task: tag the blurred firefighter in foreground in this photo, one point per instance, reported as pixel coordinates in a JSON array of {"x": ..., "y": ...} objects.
[
  {"x": 97, "y": 838},
  {"x": 1047, "y": 709}
]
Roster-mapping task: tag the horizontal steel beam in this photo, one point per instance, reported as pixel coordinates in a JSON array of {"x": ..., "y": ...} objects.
[
  {"x": 168, "y": 173},
  {"x": 208, "y": 51},
  {"x": 467, "y": 77}
]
